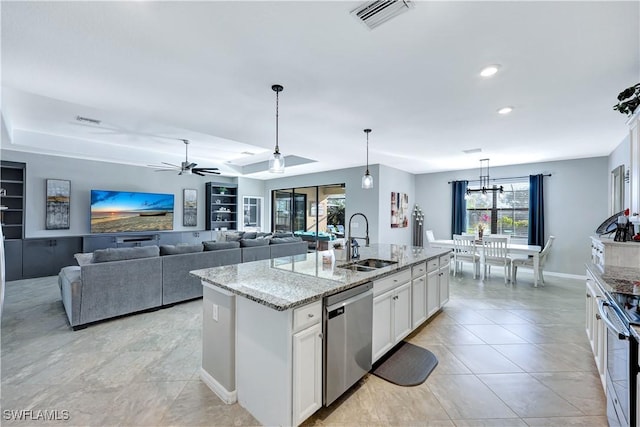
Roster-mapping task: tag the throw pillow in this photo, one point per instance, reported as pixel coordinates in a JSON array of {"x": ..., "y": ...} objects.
[
  {"x": 180, "y": 248},
  {"x": 121, "y": 254},
  {"x": 216, "y": 246},
  {"x": 249, "y": 235},
  {"x": 247, "y": 243},
  {"x": 261, "y": 235},
  {"x": 233, "y": 236},
  {"x": 83, "y": 259}
]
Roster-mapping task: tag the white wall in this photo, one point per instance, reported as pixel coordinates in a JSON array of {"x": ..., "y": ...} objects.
[
  {"x": 575, "y": 204},
  {"x": 394, "y": 180},
  {"x": 87, "y": 175}
]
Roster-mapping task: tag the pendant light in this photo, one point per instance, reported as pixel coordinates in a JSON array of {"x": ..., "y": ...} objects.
[
  {"x": 276, "y": 161},
  {"x": 367, "y": 179}
]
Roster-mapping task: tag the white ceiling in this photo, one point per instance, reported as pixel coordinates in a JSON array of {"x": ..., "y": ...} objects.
[{"x": 156, "y": 72}]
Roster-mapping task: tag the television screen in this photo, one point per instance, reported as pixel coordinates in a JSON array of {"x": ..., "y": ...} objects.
[{"x": 124, "y": 211}]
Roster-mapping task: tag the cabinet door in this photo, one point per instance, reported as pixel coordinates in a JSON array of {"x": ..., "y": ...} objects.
[
  {"x": 433, "y": 289},
  {"x": 402, "y": 312},
  {"x": 590, "y": 318},
  {"x": 382, "y": 324},
  {"x": 13, "y": 259},
  {"x": 37, "y": 258},
  {"x": 63, "y": 251},
  {"x": 443, "y": 279},
  {"x": 307, "y": 372},
  {"x": 418, "y": 300}
]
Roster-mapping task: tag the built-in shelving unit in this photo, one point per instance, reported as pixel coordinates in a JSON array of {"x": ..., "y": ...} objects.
[
  {"x": 12, "y": 181},
  {"x": 222, "y": 206}
]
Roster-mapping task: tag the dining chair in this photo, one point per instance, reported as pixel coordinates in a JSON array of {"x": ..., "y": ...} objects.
[
  {"x": 528, "y": 262},
  {"x": 495, "y": 251},
  {"x": 465, "y": 251},
  {"x": 429, "y": 234}
]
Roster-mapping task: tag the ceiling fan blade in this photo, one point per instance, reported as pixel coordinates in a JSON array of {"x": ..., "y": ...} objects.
[
  {"x": 171, "y": 164},
  {"x": 207, "y": 169},
  {"x": 165, "y": 170},
  {"x": 198, "y": 173},
  {"x": 191, "y": 165}
]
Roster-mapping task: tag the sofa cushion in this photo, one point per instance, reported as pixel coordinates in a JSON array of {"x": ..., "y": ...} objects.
[
  {"x": 180, "y": 248},
  {"x": 282, "y": 234},
  {"x": 247, "y": 243},
  {"x": 216, "y": 246},
  {"x": 83, "y": 259},
  {"x": 249, "y": 235},
  {"x": 261, "y": 235},
  {"x": 278, "y": 240},
  {"x": 121, "y": 254}
]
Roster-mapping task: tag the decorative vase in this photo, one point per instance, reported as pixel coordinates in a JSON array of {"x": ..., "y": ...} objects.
[{"x": 480, "y": 230}]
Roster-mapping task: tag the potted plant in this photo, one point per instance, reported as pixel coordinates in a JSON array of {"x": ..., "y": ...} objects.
[
  {"x": 222, "y": 190},
  {"x": 629, "y": 100}
]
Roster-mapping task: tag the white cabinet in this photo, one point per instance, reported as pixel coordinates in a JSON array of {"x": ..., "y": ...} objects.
[
  {"x": 418, "y": 294},
  {"x": 437, "y": 284},
  {"x": 402, "y": 312},
  {"x": 307, "y": 372},
  {"x": 279, "y": 361},
  {"x": 391, "y": 312},
  {"x": 443, "y": 280},
  {"x": 595, "y": 327},
  {"x": 634, "y": 181}
]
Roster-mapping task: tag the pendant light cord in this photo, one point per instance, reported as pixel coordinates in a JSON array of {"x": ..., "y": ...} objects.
[
  {"x": 277, "y": 103},
  {"x": 367, "y": 153}
]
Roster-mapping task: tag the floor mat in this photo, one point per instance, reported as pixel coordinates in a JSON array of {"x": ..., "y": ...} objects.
[{"x": 406, "y": 365}]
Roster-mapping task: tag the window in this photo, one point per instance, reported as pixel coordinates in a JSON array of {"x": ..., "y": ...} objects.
[
  {"x": 506, "y": 213},
  {"x": 252, "y": 210}
]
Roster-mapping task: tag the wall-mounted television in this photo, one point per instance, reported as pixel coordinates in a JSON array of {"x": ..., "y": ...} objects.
[{"x": 126, "y": 211}]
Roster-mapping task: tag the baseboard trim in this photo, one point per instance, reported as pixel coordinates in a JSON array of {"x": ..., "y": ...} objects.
[
  {"x": 565, "y": 275},
  {"x": 225, "y": 395}
]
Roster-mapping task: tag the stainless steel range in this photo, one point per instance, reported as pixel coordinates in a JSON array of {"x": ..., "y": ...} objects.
[{"x": 619, "y": 311}]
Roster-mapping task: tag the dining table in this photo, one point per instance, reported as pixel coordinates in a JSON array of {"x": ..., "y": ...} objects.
[{"x": 512, "y": 248}]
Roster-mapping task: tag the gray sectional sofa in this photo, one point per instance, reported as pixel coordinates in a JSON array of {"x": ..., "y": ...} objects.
[{"x": 117, "y": 281}]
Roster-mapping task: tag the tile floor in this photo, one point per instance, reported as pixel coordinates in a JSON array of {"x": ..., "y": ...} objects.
[{"x": 507, "y": 357}]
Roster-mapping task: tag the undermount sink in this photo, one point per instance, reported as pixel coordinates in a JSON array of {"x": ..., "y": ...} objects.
[
  {"x": 356, "y": 267},
  {"x": 375, "y": 263},
  {"x": 368, "y": 264}
]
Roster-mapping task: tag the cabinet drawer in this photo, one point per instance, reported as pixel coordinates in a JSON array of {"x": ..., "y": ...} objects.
[
  {"x": 382, "y": 285},
  {"x": 444, "y": 260},
  {"x": 419, "y": 270},
  {"x": 307, "y": 315},
  {"x": 432, "y": 265}
]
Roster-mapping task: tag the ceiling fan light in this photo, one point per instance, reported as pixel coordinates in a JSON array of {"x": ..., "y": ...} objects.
[
  {"x": 367, "y": 181},
  {"x": 276, "y": 163}
]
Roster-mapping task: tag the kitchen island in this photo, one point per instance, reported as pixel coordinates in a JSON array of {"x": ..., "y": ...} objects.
[{"x": 262, "y": 321}]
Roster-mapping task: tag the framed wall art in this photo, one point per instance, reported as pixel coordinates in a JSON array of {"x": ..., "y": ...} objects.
[
  {"x": 399, "y": 210},
  {"x": 190, "y": 207},
  {"x": 58, "y": 204}
]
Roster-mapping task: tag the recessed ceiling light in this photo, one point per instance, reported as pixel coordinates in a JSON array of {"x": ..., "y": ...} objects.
[
  {"x": 505, "y": 110},
  {"x": 490, "y": 70},
  {"x": 248, "y": 153}
]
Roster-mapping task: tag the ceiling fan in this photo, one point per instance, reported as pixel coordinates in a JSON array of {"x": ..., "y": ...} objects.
[{"x": 185, "y": 168}]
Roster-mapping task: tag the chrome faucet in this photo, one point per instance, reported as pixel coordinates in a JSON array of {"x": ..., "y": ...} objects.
[{"x": 348, "y": 245}]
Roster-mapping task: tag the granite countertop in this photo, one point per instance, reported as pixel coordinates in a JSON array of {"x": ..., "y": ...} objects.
[
  {"x": 288, "y": 282},
  {"x": 619, "y": 279},
  {"x": 625, "y": 280}
]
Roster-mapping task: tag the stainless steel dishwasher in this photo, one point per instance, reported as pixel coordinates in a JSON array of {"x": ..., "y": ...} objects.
[{"x": 348, "y": 323}]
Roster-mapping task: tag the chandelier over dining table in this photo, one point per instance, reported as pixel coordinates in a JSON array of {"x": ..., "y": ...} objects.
[{"x": 485, "y": 187}]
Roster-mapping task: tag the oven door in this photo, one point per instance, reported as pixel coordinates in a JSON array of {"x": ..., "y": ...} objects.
[{"x": 620, "y": 370}]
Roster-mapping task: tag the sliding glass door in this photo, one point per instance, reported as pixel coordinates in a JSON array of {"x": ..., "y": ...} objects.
[{"x": 314, "y": 213}]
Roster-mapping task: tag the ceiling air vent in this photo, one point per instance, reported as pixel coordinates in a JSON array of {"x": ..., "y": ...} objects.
[{"x": 376, "y": 13}]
